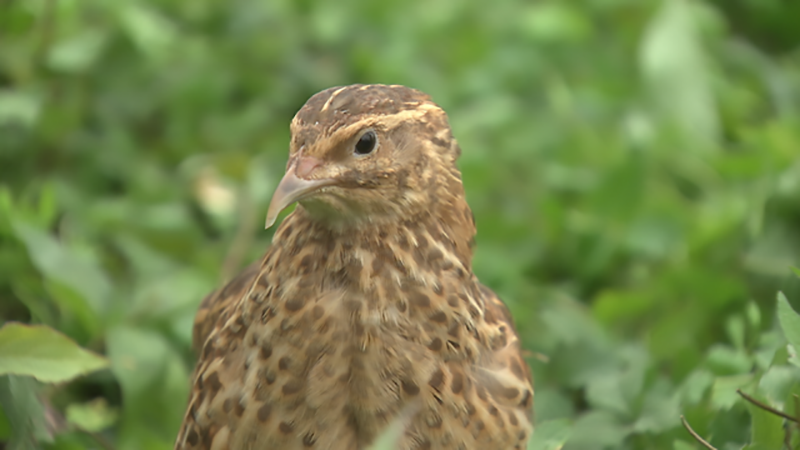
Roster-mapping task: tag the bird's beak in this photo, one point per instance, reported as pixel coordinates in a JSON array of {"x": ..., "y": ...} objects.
[{"x": 294, "y": 186}]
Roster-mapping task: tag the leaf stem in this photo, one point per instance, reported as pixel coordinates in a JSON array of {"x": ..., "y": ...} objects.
[
  {"x": 695, "y": 435},
  {"x": 766, "y": 407}
]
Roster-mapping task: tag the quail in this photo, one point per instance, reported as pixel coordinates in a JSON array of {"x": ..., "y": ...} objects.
[{"x": 364, "y": 312}]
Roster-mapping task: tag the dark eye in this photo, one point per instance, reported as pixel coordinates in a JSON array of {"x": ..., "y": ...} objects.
[{"x": 366, "y": 144}]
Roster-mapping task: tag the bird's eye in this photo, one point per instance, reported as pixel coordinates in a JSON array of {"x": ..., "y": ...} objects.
[{"x": 366, "y": 144}]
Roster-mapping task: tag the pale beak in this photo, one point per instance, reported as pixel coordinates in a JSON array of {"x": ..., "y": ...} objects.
[{"x": 293, "y": 188}]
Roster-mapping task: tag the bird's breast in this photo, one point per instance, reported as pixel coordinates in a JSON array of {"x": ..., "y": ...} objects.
[{"x": 345, "y": 356}]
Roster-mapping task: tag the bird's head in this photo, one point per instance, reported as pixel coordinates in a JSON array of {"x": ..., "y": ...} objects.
[{"x": 369, "y": 154}]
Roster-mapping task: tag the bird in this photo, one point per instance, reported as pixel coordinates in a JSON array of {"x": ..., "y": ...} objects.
[{"x": 364, "y": 313}]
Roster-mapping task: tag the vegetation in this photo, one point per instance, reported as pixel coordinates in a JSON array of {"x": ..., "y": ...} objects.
[{"x": 633, "y": 165}]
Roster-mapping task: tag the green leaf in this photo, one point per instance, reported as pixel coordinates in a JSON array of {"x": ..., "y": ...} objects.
[
  {"x": 78, "y": 53},
  {"x": 674, "y": 64},
  {"x": 789, "y": 320},
  {"x": 18, "y": 107},
  {"x": 24, "y": 411},
  {"x": 44, "y": 354},
  {"x": 154, "y": 385},
  {"x": 724, "y": 360},
  {"x": 550, "y": 435},
  {"x": 93, "y": 416},
  {"x": 723, "y": 392},
  {"x": 153, "y": 33},
  {"x": 767, "y": 429},
  {"x": 555, "y": 21},
  {"x": 58, "y": 262},
  {"x": 695, "y": 386},
  {"x": 598, "y": 429},
  {"x": 777, "y": 382},
  {"x": 682, "y": 445}
]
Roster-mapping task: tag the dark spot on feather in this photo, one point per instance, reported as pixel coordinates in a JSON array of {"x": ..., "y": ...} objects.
[
  {"x": 403, "y": 242},
  {"x": 409, "y": 387},
  {"x": 314, "y": 349},
  {"x": 287, "y": 232},
  {"x": 510, "y": 393},
  {"x": 436, "y": 380},
  {"x": 284, "y": 363},
  {"x": 452, "y": 300},
  {"x": 213, "y": 383},
  {"x": 292, "y": 387},
  {"x": 208, "y": 348},
  {"x": 440, "y": 142},
  {"x": 419, "y": 299},
  {"x": 192, "y": 438},
  {"x": 306, "y": 263},
  {"x": 458, "y": 382},
  {"x": 470, "y": 408},
  {"x": 264, "y": 412},
  {"x": 295, "y": 304},
  {"x": 309, "y": 439},
  {"x": 439, "y": 317},
  {"x": 266, "y": 314},
  {"x": 435, "y": 345},
  {"x": 454, "y": 328},
  {"x": 263, "y": 281},
  {"x": 285, "y": 427},
  {"x": 526, "y": 399}
]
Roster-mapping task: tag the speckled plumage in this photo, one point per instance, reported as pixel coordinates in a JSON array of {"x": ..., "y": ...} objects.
[{"x": 365, "y": 309}]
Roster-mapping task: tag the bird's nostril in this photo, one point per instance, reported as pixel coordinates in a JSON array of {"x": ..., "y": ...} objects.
[{"x": 305, "y": 165}]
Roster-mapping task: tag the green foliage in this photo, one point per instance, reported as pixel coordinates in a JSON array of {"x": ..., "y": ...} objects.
[
  {"x": 43, "y": 353},
  {"x": 633, "y": 166}
]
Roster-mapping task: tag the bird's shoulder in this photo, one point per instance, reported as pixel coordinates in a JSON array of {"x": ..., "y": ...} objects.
[{"x": 219, "y": 304}]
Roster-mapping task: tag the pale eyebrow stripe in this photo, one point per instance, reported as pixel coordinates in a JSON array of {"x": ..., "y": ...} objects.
[{"x": 388, "y": 120}]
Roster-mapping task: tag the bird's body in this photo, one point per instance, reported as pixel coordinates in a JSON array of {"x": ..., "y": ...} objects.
[{"x": 364, "y": 311}]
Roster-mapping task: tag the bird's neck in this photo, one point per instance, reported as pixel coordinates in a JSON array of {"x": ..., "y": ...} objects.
[{"x": 431, "y": 240}]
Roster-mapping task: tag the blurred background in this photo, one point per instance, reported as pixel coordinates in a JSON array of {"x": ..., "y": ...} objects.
[{"x": 633, "y": 165}]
